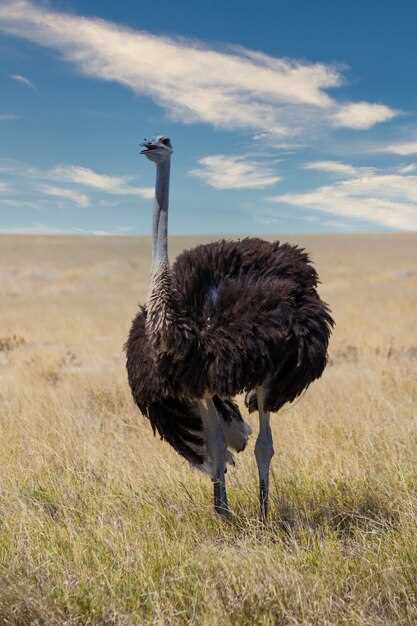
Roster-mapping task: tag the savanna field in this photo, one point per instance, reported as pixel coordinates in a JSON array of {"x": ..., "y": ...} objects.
[{"x": 102, "y": 524}]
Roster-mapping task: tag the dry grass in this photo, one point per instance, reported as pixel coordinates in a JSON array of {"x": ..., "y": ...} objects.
[{"x": 100, "y": 523}]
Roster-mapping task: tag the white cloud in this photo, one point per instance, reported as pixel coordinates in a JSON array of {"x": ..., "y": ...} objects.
[
  {"x": 339, "y": 168},
  {"x": 407, "y": 169},
  {"x": 237, "y": 88},
  {"x": 33, "y": 229},
  {"x": 43, "y": 229},
  {"x": 124, "y": 230},
  {"x": 403, "y": 149},
  {"x": 362, "y": 115},
  {"x": 234, "y": 172},
  {"x": 109, "y": 184},
  {"x": 337, "y": 225},
  {"x": 335, "y": 167},
  {"x": 66, "y": 194},
  {"x": 76, "y": 176},
  {"x": 18, "y": 202},
  {"x": 23, "y": 80},
  {"x": 386, "y": 199}
]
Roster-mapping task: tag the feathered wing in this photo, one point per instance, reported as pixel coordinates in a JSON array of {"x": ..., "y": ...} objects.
[
  {"x": 260, "y": 318},
  {"x": 176, "y": 419},
  {"x": 301, "y": 360},
  {"x": 179, "y": 423}
]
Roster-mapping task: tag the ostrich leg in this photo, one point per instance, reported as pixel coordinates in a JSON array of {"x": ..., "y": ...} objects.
[
  {"x": 264, "y": 451},
  {"x": 217, "y": 452}
]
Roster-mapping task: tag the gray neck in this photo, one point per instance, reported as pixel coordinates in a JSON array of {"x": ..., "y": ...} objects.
[
  {"x": 160, "y": 215},
  {"x": 159, "y": 306}
]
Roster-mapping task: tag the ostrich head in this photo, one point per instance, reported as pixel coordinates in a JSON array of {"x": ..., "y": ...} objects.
[{"x": 158, "y": 149}]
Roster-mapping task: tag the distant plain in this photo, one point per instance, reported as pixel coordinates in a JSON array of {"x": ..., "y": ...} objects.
[{"x": 102, "y": 524}]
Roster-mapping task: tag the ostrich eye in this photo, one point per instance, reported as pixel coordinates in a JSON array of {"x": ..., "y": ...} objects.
[{"x": 166, "y": 142}]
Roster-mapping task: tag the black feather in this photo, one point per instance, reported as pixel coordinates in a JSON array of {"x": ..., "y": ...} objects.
[{"x": 245, "y": 313}]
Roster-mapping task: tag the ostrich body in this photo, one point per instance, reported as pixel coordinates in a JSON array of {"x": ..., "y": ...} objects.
[{"x": 228, "y": 317}]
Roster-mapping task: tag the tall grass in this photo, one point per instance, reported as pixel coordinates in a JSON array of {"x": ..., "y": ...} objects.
[{"x": 100, "y": 523}]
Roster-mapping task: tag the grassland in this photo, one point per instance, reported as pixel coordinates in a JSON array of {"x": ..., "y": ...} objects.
[{"x": 100, "y": 523}]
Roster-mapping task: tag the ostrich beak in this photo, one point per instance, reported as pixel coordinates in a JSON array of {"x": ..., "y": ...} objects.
[{"x": 147, "y": 147}]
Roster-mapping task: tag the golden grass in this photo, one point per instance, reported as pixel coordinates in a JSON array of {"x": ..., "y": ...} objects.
[{"x": 100, "y": 523}]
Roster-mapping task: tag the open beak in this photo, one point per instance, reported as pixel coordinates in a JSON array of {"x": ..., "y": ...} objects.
[{"x": 147, "y": 147}]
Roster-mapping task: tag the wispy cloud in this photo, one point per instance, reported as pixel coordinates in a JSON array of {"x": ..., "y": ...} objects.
[
  {"x": 22, "y": 80},
  {"x": 87, "y": 177},
  {"x": 335, "y": 167},
  {"x": 43, "y": 229},
  {"x": 234, "y": 172},
  {"x": 362, "y": 115},
  {"x": 339, "y": 168},
  {"x": 68, "y": 182},
  {"x": 4, "y": 187},
  {"x": 407, "y": 169},
  {"x": 386, "y": 199},
  {"x": 33, "y": 229},
  {"x": 235, "y": 88},
  {"x": 403, "y": 149},
  {"x": 66, "y": 194}
]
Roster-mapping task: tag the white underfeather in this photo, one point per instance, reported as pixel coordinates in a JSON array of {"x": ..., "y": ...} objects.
[{"x": 236, "y": 434}]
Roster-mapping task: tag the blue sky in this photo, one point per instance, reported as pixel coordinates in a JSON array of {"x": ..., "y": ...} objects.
[{"x": 286, "y": 117}]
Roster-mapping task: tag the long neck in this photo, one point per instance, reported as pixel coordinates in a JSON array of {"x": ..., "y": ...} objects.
[
  {"x": 160, "y": 314},
  {"x": 160, "y": 216}
]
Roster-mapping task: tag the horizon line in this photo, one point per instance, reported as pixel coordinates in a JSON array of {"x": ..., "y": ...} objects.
[{"x": 104, "y": 234}]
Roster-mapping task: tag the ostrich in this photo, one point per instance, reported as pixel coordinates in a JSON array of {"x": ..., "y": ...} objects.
[{"x": 228, "y": 317}]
